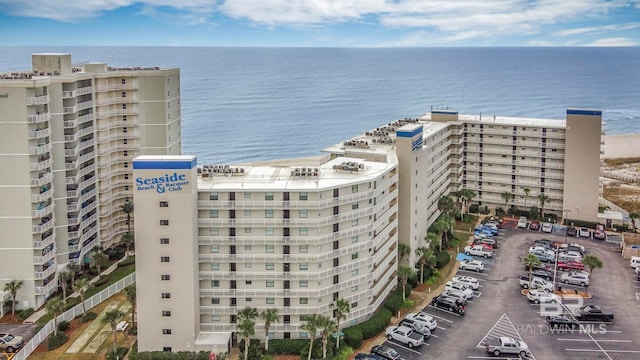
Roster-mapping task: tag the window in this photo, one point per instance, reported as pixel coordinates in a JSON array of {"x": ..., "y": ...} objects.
[
  {"x": 248, "y": 299},
  {"x": 247, "y": 195},
  {"x": 215, "y": 317},
  {"x": 215, "y": 301},
  {"x": 215, "y": 248},
  {"x": 354, "y": 272},
  {"x": 303, "y": 335},
  {"x": 164, "y": 241},
  {"x": 354, "y": 256},
  {"x": 304, "y": 266},
  {"x": 247, "y": 247},
  {"x": 268, "y": 213},
  {"x": 303, "y": 196},
  {"x": 354, "y": 188},
  {"x": 268, "y": 248},
  {"x": 354, "y": 305},
  {"x": 270, "y": 283},
  {"x": 304, "y": 213},
  {"x": 248, "y": 265},
  {"x": 268, "y": 231},
  {"x": 124, "y": 106},
  {"x": 248, "y": 282},
  {"x": 304, "y": 301},
  {"x": 213, "y": 196},
  {"x": 165, "y": 277},
  {"x": 126, "y": 176},
  {"x": 270, "y": 266},
  {"x": 304, "y": 248},
  {"x": 354, "y": 206},
  {"x": 303, "y": 231},
  {"x": 166, "y": 331},
  {"x": 166, "y": 295},
  {"x": 247, "y": 212},
  {"x": 213, "y": 213},
  {"x": 215, "y": 231},
  {"x": 126, "y": 153},
  {"x": 268, "y": 196},
  {"x": 167, "y": 349},
  {"x": 354, "y": 239},
  {"x": 354, "y": 222},
  {"x": 164, "y": 222},
  {"x": 270, "y": 301},
  {"x": 124, "y": 94},
  {"x": 164, "y": 204},
  {"x": 124, "y": 141},
  {"x": 304, "y": 283},
  {"x": 215, "y": 266},
  {"x": 166, "y": 313},
  {"x": 354, "y": 288},
  {"x": 123, "y": 81},
  {"x": 215, "y": 283},
  {"x": 247, "y": 230},
  {"x": 164, "y": 259}
]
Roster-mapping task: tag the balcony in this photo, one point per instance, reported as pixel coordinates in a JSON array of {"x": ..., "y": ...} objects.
[
  {"x": 40, "y": 149},
  {"x": 73, "y": 206},
  {"x": 114, "y": 87},
  {"x": 70, "y": 109},
  {"x": 84, "y": 118},
  {"x": 86, "y": 144},
  {"x": 41, "y": 244},
  {"x": 37, "y": 229},
  {"x": 42, "y": 180},
  {"x": 70, "y": 124},
  {"x": 39, "y": 118},
  {"x": 41, "y": 290},
  {"x": 47, "y": 210},
  {"x": 41, "y": 260},
  {"x": 84, "y": 105},
  {"x": 41, "y": 165},
  {"x": 39, "y": 134},
  {"x": 38, "y": 100},
  {"x": 73, "y": 220},
  {"x": 86, "y": 157},
  {"x": 70, "y": 165},
  {"x": 86, "y": 131},
  {"x": 43, "y": 196},
  {"x": 84, "y": 90},
  {"x": 41, "y": 275}
]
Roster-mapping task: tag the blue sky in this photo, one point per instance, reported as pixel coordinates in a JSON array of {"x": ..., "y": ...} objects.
[{"x": 321, "y": 23}]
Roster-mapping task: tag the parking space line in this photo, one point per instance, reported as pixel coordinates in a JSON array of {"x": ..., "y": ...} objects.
[
  {"x": 473, "y": 272},
  {"x": 605, "y": 351},
  {"x": 404, "y": 347},
  {"x": 439, "y": 318},
  {"x": 603, "y": 340},
  {"x": 447, "y": 311}
]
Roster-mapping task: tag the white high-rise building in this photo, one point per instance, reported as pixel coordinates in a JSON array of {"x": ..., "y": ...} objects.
[{"x": 68, "y": 136}]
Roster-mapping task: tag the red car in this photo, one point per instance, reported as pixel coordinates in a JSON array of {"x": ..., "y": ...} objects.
[
  {"x": 570, "y": 265},
  {"x": 534, "y": 225},
  {"x": 485, "y": 246}
]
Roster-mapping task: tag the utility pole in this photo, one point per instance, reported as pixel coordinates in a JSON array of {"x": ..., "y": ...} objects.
[{"x": 564, "y": 220}]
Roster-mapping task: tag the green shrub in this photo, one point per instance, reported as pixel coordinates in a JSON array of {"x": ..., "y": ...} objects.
[
  {"x": 287, "y": 346},
  {"x": 24, "y": 314},
  {"x": 102, "y": 281},
  {"x": 56, "y": 340},
  {"x": 442, "y": 259},
  {"x": 317, "y": 350},
  {"x": 133, "y": 330},
  {"x": 408, "y": 304},
  {"x": 343, "y": 354},
  {"x": 473, "y": 208},
  {"x": 71, "y": 302},
  {"x": 394, "y": 302},
  {"x": 352, "y": 337},
  {"x": 63, "y": 326},
  {"x": 256, "y": 351},
  {"x": 88, "y": 317},
  {"x": 375, "y": 324},
  {"x": 119, "y": 354},
  {"x": 130, "y": 261},
  {"x": 93, "y": 271}
]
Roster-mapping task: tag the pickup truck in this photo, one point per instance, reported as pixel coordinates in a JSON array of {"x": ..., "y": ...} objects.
[
  {"x": 536, "y": 283},
  {"x": 478, "y": 250},
  {"x": 593, "y": 313},
  {"x": 507, "y": 345},
  {"x": 404, "y": 335}
]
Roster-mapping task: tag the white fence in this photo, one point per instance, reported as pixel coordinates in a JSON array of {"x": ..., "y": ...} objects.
[{"x": 68, "y": 315}]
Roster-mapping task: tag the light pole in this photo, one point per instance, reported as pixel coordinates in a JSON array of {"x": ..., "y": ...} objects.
[{"x": 564, "y": 220}]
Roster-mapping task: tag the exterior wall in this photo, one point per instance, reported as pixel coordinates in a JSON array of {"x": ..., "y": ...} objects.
[{"x": 167, "y": 276}]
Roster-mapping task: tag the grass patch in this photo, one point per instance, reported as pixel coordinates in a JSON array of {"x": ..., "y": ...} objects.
[
  {"x": 621, "y": 161},
  {"x": 117, "y": 274}
]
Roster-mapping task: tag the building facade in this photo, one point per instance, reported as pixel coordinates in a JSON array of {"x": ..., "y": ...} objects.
[{"x": 69, "y": 134}]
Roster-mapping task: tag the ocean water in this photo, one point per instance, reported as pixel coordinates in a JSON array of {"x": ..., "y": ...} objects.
[{"x": 246, "y": 104}]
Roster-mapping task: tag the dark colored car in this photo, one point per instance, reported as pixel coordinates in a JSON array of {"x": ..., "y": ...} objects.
[
  {"x": 386, "y": 352},
  {"x": 450, "y": 304},
  {"x": 542, "y": 273},
  {"x": 571, "y": 231},
  {"x": 541, "y": 266},
  {"x": 363, "y": 356},
  {"x": 545, "y": 242},
  {"x": 558, "y": 322}
]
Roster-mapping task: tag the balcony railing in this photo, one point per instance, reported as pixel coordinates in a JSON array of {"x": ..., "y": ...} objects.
[
  {"x": 39, "y": 118},
  {"x": 39, "y": 134},
  {"x": 42, "y": 180},
  {"x": 41, "y": 290},
  {"x": 43, "y": 196},
  {"x": 40, "y": 275},
  {"x": 41, "y": 165},
  {"x": 40, "y": 149},
  {"x": 37, "y": 229},
  {"x": 42, "y": 212},
  {"x": 41, "y": 244},
  {"x": 38, "y": 100},
  {"x": 41, "y": 260}
]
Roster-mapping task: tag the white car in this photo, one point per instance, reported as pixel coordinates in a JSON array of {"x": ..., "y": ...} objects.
[
  {"x": 457, "y": 287},
  {"x": 424, "y": 319},
  {"x": 475, "y": 265},
  {"x": 540, "y": 249},
  {"x": 468, "y": 281},
  {"x": 547, "y": 227},
  {"x": 540, "y": 296},
  {"x": 522, "y": 222},
  {"x": 575, "y": 278},
  {"x": 570, "y": 256},
  {"x": 584, "y": 232},
  {"x": 576, "y": 245}
]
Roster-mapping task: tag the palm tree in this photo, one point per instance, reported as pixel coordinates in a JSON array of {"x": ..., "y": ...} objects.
[
  {"x": 99, "y": 259},
  {"x": 327, "y": 328},
  {"x": 81, "y": 286},
  {"x": 403, "y": 251},
  {"x": 466, "y": 195},
  {"x": 531, "y": 261},
  {"x": 422, "y": 253},
  {"x": 526, "y": 193},
  {"x": 127, "y": 240},
  {"x": 447, "y": 206},
  {"x": 447, "y": 226},
  {"x": 432, "y": 239},
  {"x": 340, "y": 310},
  {"x": 543, "y": 199},
  {"x": 507, "y": 196},
  {"x": 55, "y": 306},
  {"x": 73, "y": 269},
  {"x": 440, "y": 227},
  {"x": 111, "y": 318},
  {"x": 64, "y": 276},
  {"x": 633, "y": 216},
  {"x": 127, "y": 208},
  {"x": 311, "y": 326},
  {"x": 404, "y": 273},
  {"x": 592, "y": 262},
  {"x": 130, "y": 293},
  {"x": 246, "y": 326},
  {"x": 12, "y": 287},
  {"x": 269, "y": 316}
]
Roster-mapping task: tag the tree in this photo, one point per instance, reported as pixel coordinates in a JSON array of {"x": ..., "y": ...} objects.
[
  {"x": 592, "y": 262},
  {"x": 403, "y": 251},
  {"x": 246, "y": 326},
  {"x": 81, "y": 286},
  {"x": 269, "y": 316},
  {"x": 127, "y": 239},
  {"x": 531, "y": 261},
  {"x": 526, "y": 193},
  {"x": 543, "y": 199},
  {"x": 73, "y": 269},
  {"x": 507, "y": 196},
  {"x": 64, "y": 276},
  {"x": 12, "y": 287},
  {"x": 447, "y": 206},
  {"x": 446, "y": 226},
  {"x": 55, "y": 306},
  {"x": 130, "y": 293},
  {"x": 404, "y": 273},
  {"x": 440, "y": 227},
  {"x": 327, "y": 328},
  {"x": 99, "y": 259},
  {"x": 424, "y": 254},
  {"x": 111, "y": 318},
  {"x": 127, "y": 208},
  {"x": 340, "y": 310},
  {"x": 466, "y": 195},
  {"x": 311, "y": 326},
  {"x": 432, "y": 239},
  {"x": 633, "y": 216}
]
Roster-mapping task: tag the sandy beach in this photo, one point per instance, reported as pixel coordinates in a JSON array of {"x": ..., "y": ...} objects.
[{"x": 621, "y": 146}]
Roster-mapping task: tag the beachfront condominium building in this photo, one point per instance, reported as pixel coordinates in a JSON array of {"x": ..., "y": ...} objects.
[
  {"x": 69, "y": 134},
  {"x": 299, "y": 234}
]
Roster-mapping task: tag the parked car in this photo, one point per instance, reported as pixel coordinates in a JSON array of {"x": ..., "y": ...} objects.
[
  {"x": 522, "y": 222},
  {"x": 363, "y": 356},
  {"x": 544, "y": 242},
  {"x": 10, "y": 343},
  {"x": 534, "y": 225},
  {"x": 572, "y": 231},
  {"x": 599, "y": 235},
  {"x": 572, "y": 247},
  {"x": 426, "y": 319},
  {"x": 593, "y": 313},
  {"x": 542, "y": 273},
  {"x": 507, "y": 345},
  {"x": 536, "y": 283},
  {"x": 541, "y": 296},
  {"x": 575, "y": 278},
  {"x": 545, "y": 257},
  {"x": 569, "y": 256},
  {"x": 448, "y": 303},
  {"x": 562, "y": 322},
  {"x": 584, "y": 232},
  {"x": 540, "y": 249},
  {"x": 467, "y": 281},
  {"x": 457, "y": 287},
  {"x": 547, "y": 228},
  {"x": 478, "y": 250},
  {"x": 416, "y": 326},
  {"x": 486, "y": 240},
  {"x": 634, "y": 262},
  {"x": 570, "y": 265},
  {"x": 404, "y": 335},
  {"x": 470, "y": 264},
  {"x": 386, "y": 352}
]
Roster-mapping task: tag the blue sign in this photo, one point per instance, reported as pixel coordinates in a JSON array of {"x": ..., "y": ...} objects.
[
  {"x": 161, "y": 184},
  {"x": 416, "y": 144}
]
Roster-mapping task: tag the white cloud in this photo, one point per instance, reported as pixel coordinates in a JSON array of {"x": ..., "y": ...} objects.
[
  {"x": 598, "y": 29},
  {"x": 618, "y": 41}
]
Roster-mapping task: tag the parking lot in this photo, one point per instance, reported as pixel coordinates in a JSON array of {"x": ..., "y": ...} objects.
[{"x": 498, "y": 308}]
